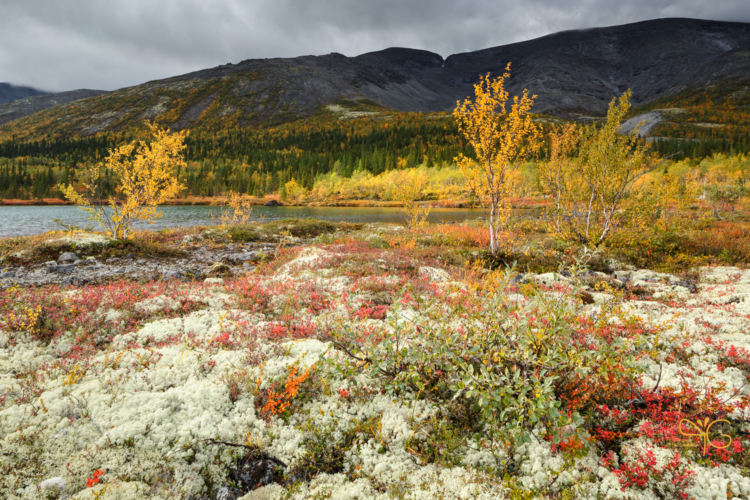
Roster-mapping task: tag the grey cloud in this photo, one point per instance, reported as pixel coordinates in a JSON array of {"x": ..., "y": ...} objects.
[{"x": 66, "y": 44}]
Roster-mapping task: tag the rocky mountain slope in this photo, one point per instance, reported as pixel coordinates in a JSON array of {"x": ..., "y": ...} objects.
[
  {"x": 10, "y": 92},
  {"x": 26, "y": 106},
  {"x": 574, "y": 73}
]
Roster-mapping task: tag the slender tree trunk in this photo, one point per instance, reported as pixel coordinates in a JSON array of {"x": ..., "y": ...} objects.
[{"x": 493, "y": 234}]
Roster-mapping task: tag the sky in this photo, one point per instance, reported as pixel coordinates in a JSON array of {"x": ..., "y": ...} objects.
[{"x": 59, "y": 45}]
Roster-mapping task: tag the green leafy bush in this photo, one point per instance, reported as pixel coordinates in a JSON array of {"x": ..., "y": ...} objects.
[{"x": 497, "y": 364}]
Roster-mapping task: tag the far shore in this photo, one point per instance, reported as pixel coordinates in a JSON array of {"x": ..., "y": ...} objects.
[{"x": 221, "y": 201}]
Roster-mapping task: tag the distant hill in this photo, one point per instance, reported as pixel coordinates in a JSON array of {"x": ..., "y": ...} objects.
[
  {"x": 20, "y": 108},
  {"x": 10, "y": 92},
  {"x": 574, "y": 73}
]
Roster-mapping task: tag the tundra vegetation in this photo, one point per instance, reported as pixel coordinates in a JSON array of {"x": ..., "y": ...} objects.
[
  {"x": 599, "y": 351},
  {"x": 381, "y": 362}
]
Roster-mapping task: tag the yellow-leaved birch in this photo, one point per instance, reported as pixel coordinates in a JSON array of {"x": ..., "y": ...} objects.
[
  {"x": 501, "y": 140},
  {"x": 145, "y": 179},
  {"x": 594, "y": 191}
]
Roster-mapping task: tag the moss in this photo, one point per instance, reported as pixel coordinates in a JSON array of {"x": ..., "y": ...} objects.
[
  {"x": 243, "y": 234},
  {"x": 24, "y": 250},
  {"x": 307, "y": 228}
]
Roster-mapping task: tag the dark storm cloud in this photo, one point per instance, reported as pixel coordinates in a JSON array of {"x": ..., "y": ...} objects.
[{"x": 108, "y": 44}]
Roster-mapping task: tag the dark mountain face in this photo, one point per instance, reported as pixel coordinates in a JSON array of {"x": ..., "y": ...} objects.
[
  {"x": 575, "y": 74},
  {"x": 10, "y": 92},
  {"x": 21, "y": 107},
  {"x": 579, "y": 72}
]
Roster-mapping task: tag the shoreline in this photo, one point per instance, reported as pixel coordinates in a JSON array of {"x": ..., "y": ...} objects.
[{"x": 519, "y": 203}]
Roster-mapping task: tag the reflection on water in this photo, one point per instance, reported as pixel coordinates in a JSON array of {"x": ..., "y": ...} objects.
[{"x": 24, "y": 220}]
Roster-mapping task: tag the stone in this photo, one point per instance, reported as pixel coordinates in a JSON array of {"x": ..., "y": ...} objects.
[
  {"x": 240, "y": 257},
  {"x": 227, "y": 493},
  {"x": 68, "y": 257},
  {"x": 62, "y": 269},
  {"x": 172, "y": 274},
  {"x": 434, "y": 274},
  {"x": 550, "y": 278},
  {"x": 273, "y": 203},
  {"x": 219, "y": 269},
  {"x": 74, "y": 281}
]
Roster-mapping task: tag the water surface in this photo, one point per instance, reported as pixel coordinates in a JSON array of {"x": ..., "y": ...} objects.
[{"x": 25, "y": 220}]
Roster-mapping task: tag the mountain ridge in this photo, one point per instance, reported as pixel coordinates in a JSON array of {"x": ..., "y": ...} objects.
[
  {"x": 574, "y": 73},
  {"x": 10, "y": 92}
]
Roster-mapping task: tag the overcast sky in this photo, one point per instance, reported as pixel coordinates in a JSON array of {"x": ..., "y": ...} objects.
[{"x": 61, "y": 45}]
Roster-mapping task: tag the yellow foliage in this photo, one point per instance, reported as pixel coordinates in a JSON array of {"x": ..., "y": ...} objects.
[
  {"x": 409, "y": 189},
  {"x": 238, "y": 212},
  {"x": 145, "y": 177},
  {"x": 721, "y": 181},
  {"x": 593, "y": 191},
  {"x": 501, "y": 140},
  {"x": 293, "y": 191},
  {"x": 440, "y": 183}
]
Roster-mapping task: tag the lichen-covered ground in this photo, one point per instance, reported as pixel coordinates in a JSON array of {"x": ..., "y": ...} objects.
[{"x": 349, "y": 369}]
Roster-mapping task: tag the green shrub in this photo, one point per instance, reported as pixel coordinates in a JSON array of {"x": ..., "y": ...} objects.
[{"x": 496, "y": 363}]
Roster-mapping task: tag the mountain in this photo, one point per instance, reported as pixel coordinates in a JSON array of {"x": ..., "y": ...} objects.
[
  {"x": 21, "y": 107},
  {"x": 574, "y": 73},
  {"x": 10, "y": 92}
]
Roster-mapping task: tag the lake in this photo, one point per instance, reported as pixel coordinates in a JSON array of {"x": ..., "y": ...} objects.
[{"x": 25, "y": 220}]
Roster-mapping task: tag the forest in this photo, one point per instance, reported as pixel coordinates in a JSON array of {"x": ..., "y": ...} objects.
[{"x": 260, "y": 161}]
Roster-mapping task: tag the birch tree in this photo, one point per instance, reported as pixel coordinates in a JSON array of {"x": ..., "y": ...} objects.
[
  {"x": 591, "y": 176},
  {"x": 145, "y": 179},
  {"x": 502, "y": 139}
]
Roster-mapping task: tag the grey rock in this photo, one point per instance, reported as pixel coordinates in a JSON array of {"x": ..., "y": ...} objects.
[
  {"x": 74, "y": 281},
  {"x": 227, "y": 493},
  {"x": 67, "y": 268},
  {"x": 240, "y": 257},
  {"x": 219, "y": 269},
  {"x": 30, "y": 103},
  {"x": 4, "y": 275},
  {"x": 181, "y": 274},
  {"x": 68, "y": 257}
]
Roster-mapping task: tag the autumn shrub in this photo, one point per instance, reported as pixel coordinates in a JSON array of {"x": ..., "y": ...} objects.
[
  {"x": 592, "y": 176},
  {"x": 144, "y": 174},
  {"x": 710, "y": 242},
  {"x": 280, "y": 398},
  {"x": 461, "y": 235},
  {"x": 502, "y": 140},
  {"x": 491, "y": 355}
]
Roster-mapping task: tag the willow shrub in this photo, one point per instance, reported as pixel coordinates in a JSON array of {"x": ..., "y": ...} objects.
[{"x": 492, "y": 352}]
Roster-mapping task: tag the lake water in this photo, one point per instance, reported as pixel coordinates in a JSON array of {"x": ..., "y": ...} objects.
[{"x": 25, "y": 220}]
